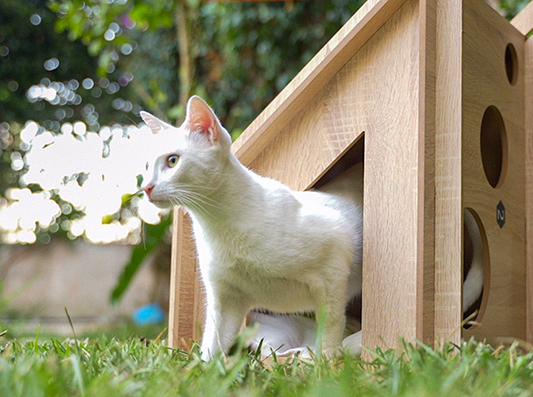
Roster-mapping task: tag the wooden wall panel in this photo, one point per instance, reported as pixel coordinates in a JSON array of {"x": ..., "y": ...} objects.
[
  {"x": 485, "y": 83},
  {"x": 523, "y": 22}
]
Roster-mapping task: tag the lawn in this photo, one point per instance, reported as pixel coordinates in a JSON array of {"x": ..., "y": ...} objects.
[{"x": 134, "y": 366}]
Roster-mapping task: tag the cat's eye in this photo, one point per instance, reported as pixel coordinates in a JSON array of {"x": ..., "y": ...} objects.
[
  {"x": 172, "y": 160},
  {"x": 146, "y": 166}
]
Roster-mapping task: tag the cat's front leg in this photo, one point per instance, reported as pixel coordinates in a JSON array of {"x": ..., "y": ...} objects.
[{"x": 225, "y": 317}]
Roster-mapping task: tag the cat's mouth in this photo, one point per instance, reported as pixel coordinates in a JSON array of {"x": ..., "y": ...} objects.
[
  {"x": 163, "y": 204},
  {"x": 157, "y": 201}
]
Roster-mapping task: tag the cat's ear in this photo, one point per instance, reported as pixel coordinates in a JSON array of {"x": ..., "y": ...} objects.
[
  {"x": 201, "y": 119},
  {"x": 153, "y": 122}
]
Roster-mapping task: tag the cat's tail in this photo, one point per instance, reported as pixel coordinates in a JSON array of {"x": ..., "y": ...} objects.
[{"x": 473, "y": 284}]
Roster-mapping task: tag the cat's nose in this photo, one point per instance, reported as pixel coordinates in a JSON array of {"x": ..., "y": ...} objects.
[{"x": 148, "y": 190}]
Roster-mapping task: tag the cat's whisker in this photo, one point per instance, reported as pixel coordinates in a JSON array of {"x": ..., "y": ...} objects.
[
  {"x": 185, "y": 200},
  {"x": 206, "y": 188},
  {"x": 204, "y": 209},
  {"x": 207, "y": 199},
  {"x": 204, "y": 200},
  {"x": 197, "y": 201},
  {"x": 174, "y": 202}
]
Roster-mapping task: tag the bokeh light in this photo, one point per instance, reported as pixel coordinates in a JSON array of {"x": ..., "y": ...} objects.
[{"x": 90, "y": 172}]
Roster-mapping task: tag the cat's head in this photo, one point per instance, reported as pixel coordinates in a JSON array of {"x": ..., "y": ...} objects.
[{"x": 185, "y": 164}]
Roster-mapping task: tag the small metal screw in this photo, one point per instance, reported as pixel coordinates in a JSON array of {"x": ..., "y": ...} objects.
[{"x": 500, "y": 214}]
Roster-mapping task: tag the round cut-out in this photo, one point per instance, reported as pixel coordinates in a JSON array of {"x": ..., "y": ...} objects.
[
  {"x": 511, "y": 63},
  {"x": 493, "y": 146}
]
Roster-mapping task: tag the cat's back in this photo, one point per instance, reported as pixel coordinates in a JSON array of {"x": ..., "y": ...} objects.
[
  {"x": 269, "y": 216},
  {"x": 342, "y": 195}
]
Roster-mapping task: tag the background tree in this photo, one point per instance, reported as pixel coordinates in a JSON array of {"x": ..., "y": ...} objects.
[
  {"x": 237, "y": 55},
  {"x": 509, "y": 8}
]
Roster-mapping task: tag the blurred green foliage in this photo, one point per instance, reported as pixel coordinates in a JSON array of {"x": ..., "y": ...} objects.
[
  {"x": 248, "y": 52},
  {"x": 512, "y": 7},
  {"x": 154, "y": 237},
  {"x": 128, "y": 55},
  {"x": 108, "y": 59},
  {"x": 34, "y": 57},
  {"x": 241, "y": 54}
]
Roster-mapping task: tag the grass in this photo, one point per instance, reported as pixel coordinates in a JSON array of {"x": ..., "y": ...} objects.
[{"x": 105, "y": 366}]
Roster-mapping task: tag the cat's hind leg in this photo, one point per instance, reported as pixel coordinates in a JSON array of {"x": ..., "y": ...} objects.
[
  {"x": 330, "y": 300},
  {"x": 353, "y": 344}
]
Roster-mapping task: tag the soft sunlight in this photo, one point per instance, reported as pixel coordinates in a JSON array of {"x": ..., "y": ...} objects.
[{"x": 91, "y": 172}]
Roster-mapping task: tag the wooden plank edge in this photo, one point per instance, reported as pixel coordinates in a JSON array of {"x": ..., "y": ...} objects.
[
  {"x": 523, "y": 22},
  {"x": 425, "y": 316},
  {"x": 199, "y": 308},
  {"x": 175, "y": 279},
  {"x": 528, "y": 60},
  {"x": 448, "y": 174},
  {"x": 313, "y": 77}
]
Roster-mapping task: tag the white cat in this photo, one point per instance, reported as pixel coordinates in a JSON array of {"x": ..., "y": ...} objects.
[{"x": 260, "y": 245}]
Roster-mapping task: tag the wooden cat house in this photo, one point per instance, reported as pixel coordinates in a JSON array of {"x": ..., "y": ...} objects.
[{"x": 441, "y": 94}]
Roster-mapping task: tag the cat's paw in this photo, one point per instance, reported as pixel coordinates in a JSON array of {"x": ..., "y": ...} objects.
[
  {"x": 206, "y": 356},
  {"x": 353, "y": 343},
  {"x": 331, "y": 352},
  {"x": 302, "y": 352}
]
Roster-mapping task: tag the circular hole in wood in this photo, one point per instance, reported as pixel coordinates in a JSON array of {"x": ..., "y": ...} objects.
[
  {"x": 511, "y": 63},
  {"x": 493, "y": 146},
  {"x": 476, "y": 269}
]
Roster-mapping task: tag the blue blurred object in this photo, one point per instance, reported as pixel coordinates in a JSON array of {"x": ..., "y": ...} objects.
[{"x": 148, "y": 314}]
